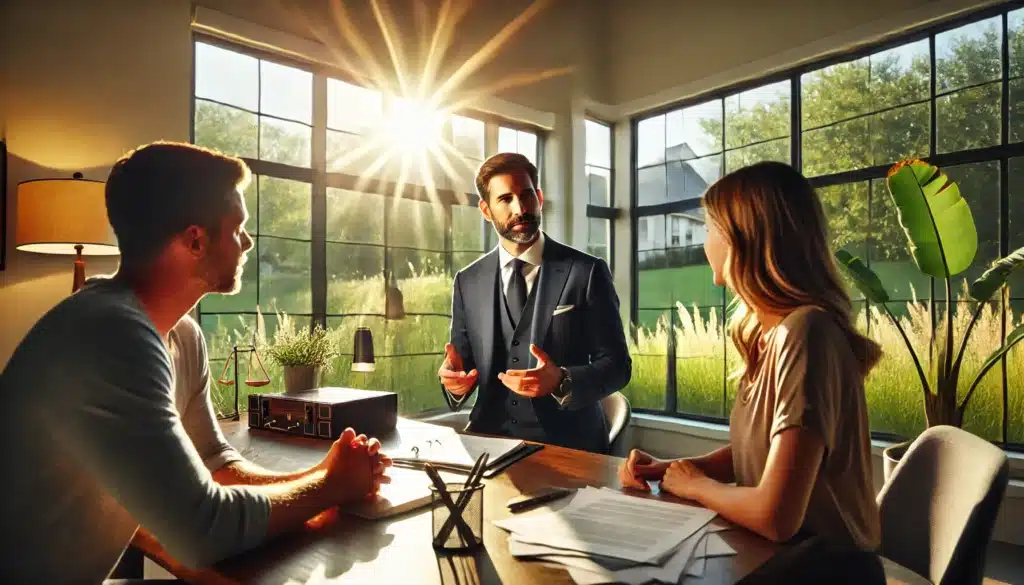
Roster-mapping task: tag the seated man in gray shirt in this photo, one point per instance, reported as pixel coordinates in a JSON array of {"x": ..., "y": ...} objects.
[{"x": 97, "y": 444}]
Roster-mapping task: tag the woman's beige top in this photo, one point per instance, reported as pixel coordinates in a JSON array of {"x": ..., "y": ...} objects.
[{"x": 807, "y": 376}]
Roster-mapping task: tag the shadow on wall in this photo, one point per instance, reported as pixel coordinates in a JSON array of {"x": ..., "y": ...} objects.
[{"x": 31, "y": 283}]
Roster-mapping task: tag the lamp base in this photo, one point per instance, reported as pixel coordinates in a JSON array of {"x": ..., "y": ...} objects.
[{"x": 79, "y": 278}]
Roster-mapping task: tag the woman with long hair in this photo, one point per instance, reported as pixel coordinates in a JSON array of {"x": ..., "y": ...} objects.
[{"x": 798, "y": 460}]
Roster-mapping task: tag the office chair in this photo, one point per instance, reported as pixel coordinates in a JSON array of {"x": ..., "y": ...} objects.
[
  {"x": 617, "y": 413},
  {"x": 939, "y": 506}
]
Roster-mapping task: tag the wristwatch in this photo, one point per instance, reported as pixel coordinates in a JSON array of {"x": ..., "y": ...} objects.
[{"x": 564, "y": 390}]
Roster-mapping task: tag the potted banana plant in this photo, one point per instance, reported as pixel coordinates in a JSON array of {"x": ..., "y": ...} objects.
[{"x": 943, "y": 241}]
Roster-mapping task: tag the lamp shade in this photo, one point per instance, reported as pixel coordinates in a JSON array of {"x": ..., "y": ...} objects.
[
  {"x": 394, "y": 303},
  {"x": 362, "y": 351},
  {"x": 56, "y": 215}
]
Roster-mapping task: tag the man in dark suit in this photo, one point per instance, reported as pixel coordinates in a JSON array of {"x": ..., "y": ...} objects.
[{"x": 535, "y": 324}]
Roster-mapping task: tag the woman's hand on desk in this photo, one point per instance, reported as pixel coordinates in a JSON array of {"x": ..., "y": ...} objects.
[
  {"x": 683, "y": 479},
  {"x": 641, "y": 467}
]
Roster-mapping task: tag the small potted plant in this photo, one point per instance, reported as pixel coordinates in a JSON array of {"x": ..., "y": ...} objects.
[
  {"x": 943, "y": 240},
  {"x": 303, "y": 354}
]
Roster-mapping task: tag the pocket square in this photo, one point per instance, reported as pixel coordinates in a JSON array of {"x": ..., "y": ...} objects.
[{"x": 562, "y": 309}]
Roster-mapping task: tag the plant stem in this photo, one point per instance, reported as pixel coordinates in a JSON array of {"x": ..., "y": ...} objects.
[{"x": 910, "y": 348}]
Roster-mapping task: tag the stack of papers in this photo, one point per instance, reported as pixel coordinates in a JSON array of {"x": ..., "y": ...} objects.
[{"x": 605, "y": 536}]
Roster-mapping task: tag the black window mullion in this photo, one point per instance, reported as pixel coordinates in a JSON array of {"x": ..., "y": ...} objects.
[{"x": 1004, "y": 215}]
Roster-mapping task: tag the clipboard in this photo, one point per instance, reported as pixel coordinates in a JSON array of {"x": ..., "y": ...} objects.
[{"x": 479, "y": 443}]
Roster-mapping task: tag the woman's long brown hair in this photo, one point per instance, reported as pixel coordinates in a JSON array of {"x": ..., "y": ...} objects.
[{"x": 779, "y": 258}]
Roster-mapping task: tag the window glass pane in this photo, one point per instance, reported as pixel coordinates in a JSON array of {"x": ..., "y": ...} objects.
[
  {"x": 468, "y": 228},
  {"x": 1016, "y": 221},
  {"x": 226, "y": 129},
  {"x": 353, "y": 108},
  {"x": 1015, "y": 28},
  {"x": 599, "y": 182},
  {"x": 969, "y": 55},
  {"x": 968, "y": 118},
  {"x": 892, "y": 389},
  {"x": 355, "y": 217},
  {"x": 646, "y": 387},
  {"x": 650, "y": 141},
  {"x": 758, "y": 114},
  {"x": 528, "y": 146},
  {"x": 226, "y": 76},
  {"x": 841, "y": 147},
  {"x": 651, "y": 188},
  {"x": 284, "y": 275},
  {"x": 1016, "y": 110},
  {"x": 468, "y": 136},
  {"x": 700, "y": 360},
  {"x": 690, "y": 178},
  {"x": 416, "y": 224},
  {"x": 284, "y": 208},
  {"x": 777, "y": 150},
  {"x": 694, "y": 131},
  {"x": 599, "y": 144},
  {"x": 900, "y": 75},
  {"x": 598, "y": 237},
  {"x": 286, "y": 92},
  {"x": 355, "y": 279},
  {"x": 651, "y": 232},
  {"x": 421, "y": 276},
  {"x": 900, "y": 133},
  {"x": 351, "y": 154},
  {"x": 846, "y": 209},
  {"x": 507, "y": 140},
  {"x": 284, "y": 142},
  {"x": 678, "y": 271}
]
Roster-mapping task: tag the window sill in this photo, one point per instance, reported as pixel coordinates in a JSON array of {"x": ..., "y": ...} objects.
[{"x": 720, "y": 432}]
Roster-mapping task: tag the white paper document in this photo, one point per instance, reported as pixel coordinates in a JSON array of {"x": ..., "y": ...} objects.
[
  {"x": 670, "y": 572},
  {"x": 614, "y": 525},
  {"x": 445, "y": 446}
]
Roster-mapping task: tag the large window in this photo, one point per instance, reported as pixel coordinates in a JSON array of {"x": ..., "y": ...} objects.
[
  {"x": 339, "y": 215},
  {"x": 951, "y": 95}
]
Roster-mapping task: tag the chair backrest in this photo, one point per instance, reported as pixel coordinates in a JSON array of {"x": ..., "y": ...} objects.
[
  {"x": 939, "y": 506},
  {"x": 617, "y": 413}
]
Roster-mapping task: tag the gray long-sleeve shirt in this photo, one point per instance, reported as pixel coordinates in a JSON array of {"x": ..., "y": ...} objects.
[{"x": 94, "y": 446}]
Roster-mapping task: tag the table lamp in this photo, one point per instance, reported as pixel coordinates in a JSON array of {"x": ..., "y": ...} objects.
[
  {"x": 64, "y": 216},
  {"x": 362, "y": 351}
]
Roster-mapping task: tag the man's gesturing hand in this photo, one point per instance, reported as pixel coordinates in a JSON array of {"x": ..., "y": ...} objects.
[
  {"x": 452, "y": 374},
  {"x": 535, "y": 382}
]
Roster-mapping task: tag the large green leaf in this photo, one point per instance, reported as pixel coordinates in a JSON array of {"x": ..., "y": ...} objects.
[
  {"x": 863, "y": 277},
  {"x": 995, "y": 277},
  {"x": 937, "y": 220}
]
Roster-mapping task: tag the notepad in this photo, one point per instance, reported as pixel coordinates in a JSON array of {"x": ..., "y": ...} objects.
[
  {"x": 452, "y": 451},
  {"x": 409, "y": 490}
]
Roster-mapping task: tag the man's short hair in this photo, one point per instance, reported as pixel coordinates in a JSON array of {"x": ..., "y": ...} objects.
[
  {"x": 501, "y": 164},
  {"x": 160, "y": 189}
]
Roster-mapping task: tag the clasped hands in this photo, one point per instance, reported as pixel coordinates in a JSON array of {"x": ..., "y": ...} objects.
[
  {"x": 679, "y": 477},
  {"x": 532, "y": 383},
  {"x": 355, "y": 467}
]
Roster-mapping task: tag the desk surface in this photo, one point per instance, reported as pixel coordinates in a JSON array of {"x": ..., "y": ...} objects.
[{"x": 398, "y": 550}]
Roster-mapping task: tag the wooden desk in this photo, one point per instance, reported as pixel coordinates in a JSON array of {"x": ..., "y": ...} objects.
[{"x": 398, "y": 550}]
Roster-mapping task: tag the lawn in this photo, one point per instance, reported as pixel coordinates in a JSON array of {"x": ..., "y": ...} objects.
[{"x": 705, "y": 356}]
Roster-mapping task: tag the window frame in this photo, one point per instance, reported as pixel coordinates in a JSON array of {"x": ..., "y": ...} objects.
[{"x": 1002, "y": 153}]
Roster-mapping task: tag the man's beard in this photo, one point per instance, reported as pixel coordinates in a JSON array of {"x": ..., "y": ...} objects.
[
  {"x": 223, "y": 278},
  {"x": 530, "y": 223}
]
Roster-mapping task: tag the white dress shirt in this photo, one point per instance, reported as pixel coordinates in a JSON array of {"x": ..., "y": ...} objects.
[{"x": 533, "y": 256}]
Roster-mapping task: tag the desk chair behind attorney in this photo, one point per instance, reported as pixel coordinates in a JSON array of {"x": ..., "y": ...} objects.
[{"x": 531, "y": 290}]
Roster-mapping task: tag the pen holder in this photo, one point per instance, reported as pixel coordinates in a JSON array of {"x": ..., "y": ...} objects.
[{"x": 464, "y": 528}]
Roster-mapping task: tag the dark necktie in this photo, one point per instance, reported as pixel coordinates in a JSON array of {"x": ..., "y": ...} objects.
[{"x": 516, "y": 295}]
